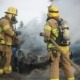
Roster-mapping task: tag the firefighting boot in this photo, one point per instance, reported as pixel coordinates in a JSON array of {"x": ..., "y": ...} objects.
[
  {"x": 71, "y": 78},
  {"x": 1, "y": 64},
  {"x": 1, "y": 71},
  {"x": 54, "y": 79},
  {"x": 8, "y": 70}
]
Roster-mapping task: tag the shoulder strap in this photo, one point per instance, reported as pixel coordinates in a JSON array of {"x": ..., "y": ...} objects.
[{"x": 59, "y": 21}]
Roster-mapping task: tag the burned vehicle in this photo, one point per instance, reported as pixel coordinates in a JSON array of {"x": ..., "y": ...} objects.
[
  {"x": 29, "y": 52},
  {"x": 32, "y": 59}
]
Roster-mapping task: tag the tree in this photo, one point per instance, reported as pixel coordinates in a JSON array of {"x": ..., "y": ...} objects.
[{"x": 21, "y": 24}]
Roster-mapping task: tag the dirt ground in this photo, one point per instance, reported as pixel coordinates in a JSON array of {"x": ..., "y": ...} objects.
[{"x": 36, "y": 74}]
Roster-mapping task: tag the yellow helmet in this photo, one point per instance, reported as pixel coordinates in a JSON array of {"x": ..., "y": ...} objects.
[
  {"x": 12, "y": 10},
  {"x": 53, "y": 11}
]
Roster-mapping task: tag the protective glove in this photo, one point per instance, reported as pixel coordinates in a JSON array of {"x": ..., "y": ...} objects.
[{"x": 15, "y": 40}]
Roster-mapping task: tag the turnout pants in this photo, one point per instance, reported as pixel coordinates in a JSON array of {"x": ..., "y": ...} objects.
[
  {"x": 8, "y": 56},
  {"x": 7, "y": 65},
  {"x": 66, "y": 66}
]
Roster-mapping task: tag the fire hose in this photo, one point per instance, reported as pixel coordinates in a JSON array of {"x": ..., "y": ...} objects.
[{"x": 57, "y": 46}]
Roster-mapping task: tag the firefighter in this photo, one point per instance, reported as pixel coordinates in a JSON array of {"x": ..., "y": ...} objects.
[
  {"x": 6, "y": 35},
  {"x": 51, "y": 29}
]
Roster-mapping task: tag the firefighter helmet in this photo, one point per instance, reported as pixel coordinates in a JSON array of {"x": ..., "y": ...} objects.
[
  {"x": 53, "y": 11},
  {"x": 12, "y": 10}
]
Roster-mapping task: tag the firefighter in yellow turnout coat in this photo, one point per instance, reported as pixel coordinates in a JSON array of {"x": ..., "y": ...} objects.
[
  {"x": 6, "y": 35},
  {"x": 51, "y": 29}
]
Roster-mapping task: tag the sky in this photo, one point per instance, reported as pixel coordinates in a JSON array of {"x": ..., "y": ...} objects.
[
  {"x": 27, "y": 9},
  {"x": 30, "y": 9}
]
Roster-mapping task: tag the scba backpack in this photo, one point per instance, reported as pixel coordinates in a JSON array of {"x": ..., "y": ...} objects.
[{"x": 64, "y": 33}]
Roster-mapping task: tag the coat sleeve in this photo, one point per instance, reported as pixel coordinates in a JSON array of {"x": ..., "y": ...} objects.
[
  {"x": 7, "y": 28},
  {"x": 49, "y": 26},
  {"x": 47, "y": 32}
]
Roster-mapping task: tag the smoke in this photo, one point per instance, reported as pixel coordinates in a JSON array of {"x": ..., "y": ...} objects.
[{"x": 31, "y": 41}]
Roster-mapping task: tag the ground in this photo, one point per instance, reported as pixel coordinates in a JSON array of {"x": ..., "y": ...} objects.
[{"x": 36, "y": 74}]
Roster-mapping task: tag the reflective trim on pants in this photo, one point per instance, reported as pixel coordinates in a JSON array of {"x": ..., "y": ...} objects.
[
  {"x": 54, "y": 79},
  {"x": 1, "y": 71},
  {"x": 70, "y": 79},
  {"x": 8, "y": 68}
]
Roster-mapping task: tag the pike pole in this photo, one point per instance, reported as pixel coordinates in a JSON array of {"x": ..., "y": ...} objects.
[{"x": 57, "y": 46}]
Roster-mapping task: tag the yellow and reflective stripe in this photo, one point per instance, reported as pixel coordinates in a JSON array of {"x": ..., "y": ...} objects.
[
  {"x": 64, "y": 48},
  {"x": 47, "y": 27},
  {"x": 12, "y": 33},
  {"x": 55, "y": 32},
  {"x": 70, "y": 78},
  {"x": 6, "y": 27},
  {"x": 54, "y": 79},
  {"x": 9, "y": 44},
  {"x": 8, "y": 68},
  {"x": 4, "y": 42},
  {"x": 5, "y": 68},
  {"x": 51, "y": 46},
  {"x": 1, "y": 71}
]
